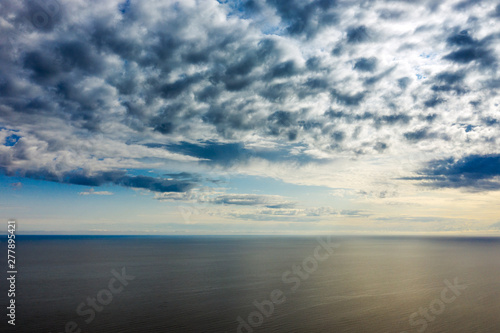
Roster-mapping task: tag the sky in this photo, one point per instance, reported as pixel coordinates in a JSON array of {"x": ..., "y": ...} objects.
[{"x": 250, "y": 117}]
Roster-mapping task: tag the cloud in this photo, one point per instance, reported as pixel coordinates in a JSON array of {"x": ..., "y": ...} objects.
[
  {"x": 184, "y": 176},
  {"x": 366, "y": 64},
  {"x": 299, "y": 214},
  {"x": 109, "y": 89},
  {"x": 421, "y": 134},
  {"x": 231, "y": 154},
  {"x": 211, "y": 152},
  {"x": 269, "y": 201},
  {"x": 216, "y": 196},
  {"x": 91, "y": 191},
  {"x": 118, "y": 177},
  {"x": 358, "y": 34},
  {"x": 470, "y": 49},
  {"x": 304, "y": 17},
  {"x": 473, "y": 172}
]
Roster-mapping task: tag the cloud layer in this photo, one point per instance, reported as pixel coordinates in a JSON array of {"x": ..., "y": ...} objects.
[{"x": 91, "y": 91}]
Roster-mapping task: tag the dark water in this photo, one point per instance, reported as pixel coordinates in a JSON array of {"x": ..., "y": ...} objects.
[{"x": 203, "y": 284}]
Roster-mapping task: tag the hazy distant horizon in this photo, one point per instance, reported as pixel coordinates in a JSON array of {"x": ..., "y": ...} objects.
[{"x": 361, "y": 234}]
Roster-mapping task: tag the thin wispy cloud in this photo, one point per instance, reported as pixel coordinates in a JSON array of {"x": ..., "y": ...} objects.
[{"x": 94, "y": 192}]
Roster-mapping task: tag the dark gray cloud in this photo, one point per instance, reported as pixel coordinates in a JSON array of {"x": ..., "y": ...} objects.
[
  {"x": 388, "y": 14},
  {"x": 393, "y": 119},
  {"x": 116, "y": 177},
  {"x": 378, "y": 120},
  {"x": 475, "y": 172},
  {"x": 403, "y": 82},
  {"x": 280, "y": 121},
  {"x": 284, "y": 69},
  {"x": 358, "y": 34},
  {"x": 231, "y": 154},
  {"x": 348, "y": 99},
  {"x": 419, "y": 135},
  {"x": 380, "y": 146},
  {"x": 225, "y": 154},
  {"x": 466, "y": 4},
  {"x": 471, "y": 50},
  {"x": 429, "y": 118},
  {"x": 186, "y": 176},
  {"x": 496, "y": 12},
  {"x": 155, "y": 184},
  {"x": 366, "y": 64},
  {"x": 490, "y": 121},
  {"x": 305, "y": 17},
  {"x": 450, "y": 82},
  {"x": 434, "y": 101}
]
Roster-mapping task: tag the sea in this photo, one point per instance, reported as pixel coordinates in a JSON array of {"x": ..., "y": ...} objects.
[{"x": 253, "y": 284}]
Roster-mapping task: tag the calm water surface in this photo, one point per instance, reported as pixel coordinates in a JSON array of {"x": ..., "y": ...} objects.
[{"x": 203, "y": 284}]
